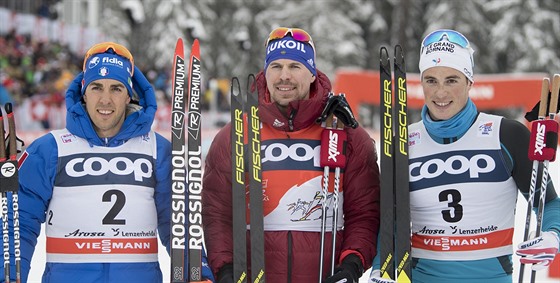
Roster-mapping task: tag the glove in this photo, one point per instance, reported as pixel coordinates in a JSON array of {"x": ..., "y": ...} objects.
[
  {"x": 534, "y": 113},
  {"x": 539, "y": 251},
  {"x": 375, "y": 277},
  {"x": 338, "y": 106},
  {"x": 349, "y": 271},
  {"x": 225, "y": 274}
]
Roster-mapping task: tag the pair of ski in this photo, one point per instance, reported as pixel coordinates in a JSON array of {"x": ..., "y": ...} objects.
[
  {"x": 542, "y": 150},
  {"x": 9, "y": 184},
  {"x": 394, "y": 196},
  {"x": 244, "y": 117},
  {"x": 186, "y": 167}
]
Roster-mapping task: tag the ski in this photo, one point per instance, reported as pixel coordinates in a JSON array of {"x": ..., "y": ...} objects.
[
  {"x": 386, "y": 235},
  {"x": 401, "y": 186},
  {"x": 239, "y": 213},
  {"x": 542, "y": 150},
  {"x": 194, "y": 165},
  {"x": 255, "y": 184},
  {"x": 178, "y": 163},
  {"x": 395, "y": 195},
  {"x": 9, "y": 184}
]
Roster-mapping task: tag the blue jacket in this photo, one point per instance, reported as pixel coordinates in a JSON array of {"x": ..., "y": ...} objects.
[{"x": 37, "y": 174}]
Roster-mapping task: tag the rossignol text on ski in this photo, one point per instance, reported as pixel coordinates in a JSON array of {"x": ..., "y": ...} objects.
[
  {"x": 194, "y": 165},
  {"x": 178, "y": 160}
]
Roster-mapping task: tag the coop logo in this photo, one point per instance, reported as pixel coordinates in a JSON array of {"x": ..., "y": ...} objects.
[
  {"x": 97, "y": 166},
  {"x": 298, "y": 155},
  {"x": 456, "y": 165}
]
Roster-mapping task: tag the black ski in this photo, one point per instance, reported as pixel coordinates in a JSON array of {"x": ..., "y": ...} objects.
[
  {"x": 194, "y": 166},
  {"x": 386, "y": 235},
  {"x": 395, "y": 195},
  {"x": 239, "y": 205},
  {"x": 402, "y": 191},
  {"x": 178, "y": 163},
  {"x": 255, "y": 184}
]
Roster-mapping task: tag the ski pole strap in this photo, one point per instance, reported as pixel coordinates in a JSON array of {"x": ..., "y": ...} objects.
[{"x": 544, "y": 139}]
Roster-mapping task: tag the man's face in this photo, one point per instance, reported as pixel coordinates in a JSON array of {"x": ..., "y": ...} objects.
[
  {"x": 446, "y": 91},
  {"x": 288, "y": 80},
  {"x": 106, "y": 101}
]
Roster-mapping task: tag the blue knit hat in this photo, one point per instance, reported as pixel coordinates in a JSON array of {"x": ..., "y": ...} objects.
[
  {"x": 289, "y": 48},
  {"x": 108, "y": 65}
]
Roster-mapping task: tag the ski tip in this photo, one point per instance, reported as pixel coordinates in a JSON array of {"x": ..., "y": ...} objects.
[
  {"x": 195, "y": 49},
  {"x": 399, "y": 51},
  {"x": 179, "y": 46},
  {"x": 8, "y": 108},
  {"x": 235, "y": 86},
  {"x": 383, "y": 53}
]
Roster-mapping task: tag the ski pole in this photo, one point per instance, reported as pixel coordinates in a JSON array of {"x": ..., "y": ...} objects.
[
  {"x": 324, "y": 193},
  {"x": 9, "y": 184},
  {"x": 548, "y": 153},
  {"x": 534, "y": 171},
  {"x": 341, "y": 162},
  {"x": 12, "y": 151},
  {"x": 5, "y": 230},
  {"x": 333, "y": 140}
]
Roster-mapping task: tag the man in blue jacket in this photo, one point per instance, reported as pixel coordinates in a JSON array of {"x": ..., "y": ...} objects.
[{"x": 102, "y": 185}]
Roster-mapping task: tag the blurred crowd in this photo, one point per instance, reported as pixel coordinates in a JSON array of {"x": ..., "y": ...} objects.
[
  {"x": 29, "y": 68},
  {"x": 35, "y": 75}
]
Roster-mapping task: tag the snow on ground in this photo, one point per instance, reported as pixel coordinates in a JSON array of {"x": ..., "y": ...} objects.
[{"x": 38, "y": 262}]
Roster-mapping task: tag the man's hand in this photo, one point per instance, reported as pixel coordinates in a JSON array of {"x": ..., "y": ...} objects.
[
  {"x": 225, "y": 274},
  {"x": 375, "y": 277},
  {"x": 339, "y": 107},
  {"x": 539, "y": 251},
  {"x": 349, "y": 271}
]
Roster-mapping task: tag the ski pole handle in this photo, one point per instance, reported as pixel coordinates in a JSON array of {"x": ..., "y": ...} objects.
[
  {"x": 544, "y": 132},
  {"x": 2, "y": 140},
  {"x": 544, "y": 98},
  {"x": 12, "y": 138},
  {"x": 554, "y": 96}
]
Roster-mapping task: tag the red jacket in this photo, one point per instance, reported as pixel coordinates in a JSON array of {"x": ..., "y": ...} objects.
[{"x": 293, "y": 255}]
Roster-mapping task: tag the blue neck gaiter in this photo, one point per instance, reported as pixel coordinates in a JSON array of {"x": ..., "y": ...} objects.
[{"x": 452, "y": 128}]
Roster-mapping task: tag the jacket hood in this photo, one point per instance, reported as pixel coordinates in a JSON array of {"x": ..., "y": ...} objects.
[
  {"x": 139, "y": 119},
  {"x": 301, "y": 113}
]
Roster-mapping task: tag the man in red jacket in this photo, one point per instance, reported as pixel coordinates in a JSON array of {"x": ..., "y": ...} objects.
[{"x": 292, "y": 95}]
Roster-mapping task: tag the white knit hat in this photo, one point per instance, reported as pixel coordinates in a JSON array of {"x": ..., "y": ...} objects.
[{"x": 444, "y": 52}]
